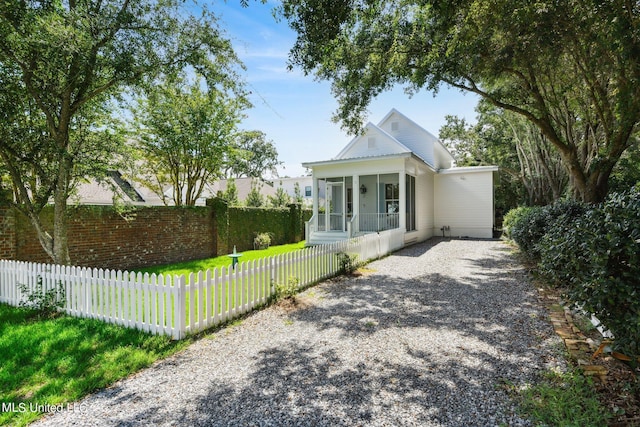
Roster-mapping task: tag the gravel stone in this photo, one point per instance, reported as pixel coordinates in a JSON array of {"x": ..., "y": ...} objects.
[{"x": 437, "y": 335}]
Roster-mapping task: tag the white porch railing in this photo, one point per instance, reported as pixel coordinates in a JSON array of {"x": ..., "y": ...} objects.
[
  {"x": 335, "y": 223},
  {"x": 352, "y": 226},
  {"x": 310, "y": 227},
  {"x": 179, "y": 305},
  {"x": 321, "y": 220},
  {"x": 371, "y": 222}
]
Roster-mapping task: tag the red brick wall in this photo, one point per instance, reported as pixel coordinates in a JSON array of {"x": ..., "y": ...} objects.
[
  {"x": 100, "y": 237},
  {"x": 7, "y": 234}
]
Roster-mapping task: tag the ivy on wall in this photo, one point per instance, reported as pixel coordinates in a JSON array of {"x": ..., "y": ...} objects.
[{"x": 238, "y": 226}]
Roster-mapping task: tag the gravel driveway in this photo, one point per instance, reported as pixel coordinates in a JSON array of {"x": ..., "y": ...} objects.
[{"x": 436, "y": 335}]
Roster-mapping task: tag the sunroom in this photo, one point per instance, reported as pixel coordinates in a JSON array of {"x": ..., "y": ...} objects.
[{"x": 378, "y": 195}]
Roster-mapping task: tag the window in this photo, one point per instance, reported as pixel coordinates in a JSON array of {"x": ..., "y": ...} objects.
[
  {"x": 392, "y": 198},
  {"x": 371, "y": 143},
  {"x": 307, "y": 191},
  {"x": 394, "y": 126}
]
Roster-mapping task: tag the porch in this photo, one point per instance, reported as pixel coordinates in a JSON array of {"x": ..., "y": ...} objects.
[{"x": 361, "y": 204}]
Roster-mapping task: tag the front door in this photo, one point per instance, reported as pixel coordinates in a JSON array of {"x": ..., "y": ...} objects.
[{"x": 334, "y": 208}]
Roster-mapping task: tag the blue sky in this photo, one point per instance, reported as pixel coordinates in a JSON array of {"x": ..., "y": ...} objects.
[{"x": 295, "y": 111}]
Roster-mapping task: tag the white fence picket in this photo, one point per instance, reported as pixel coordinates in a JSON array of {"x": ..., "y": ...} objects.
[{"x": 176, "y": 305}]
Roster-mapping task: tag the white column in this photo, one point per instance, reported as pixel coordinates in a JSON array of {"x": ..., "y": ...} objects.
[
  {"x": 402, "y": 209},
  {"x": 316, "y": 194},
  {"x": 355, "y": 179}
]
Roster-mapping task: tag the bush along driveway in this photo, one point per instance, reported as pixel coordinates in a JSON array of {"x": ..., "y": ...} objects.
[{"x": 440, "y": 333}]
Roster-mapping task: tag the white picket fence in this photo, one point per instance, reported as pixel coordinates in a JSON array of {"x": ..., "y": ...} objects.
[{"x": 179, "y": 305}]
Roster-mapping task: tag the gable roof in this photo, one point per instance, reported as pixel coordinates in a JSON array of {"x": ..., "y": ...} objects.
[
  {"x": 422, "y": 142},
  {"x": 355, "y": 148},
  {"x": 396, "y": 134}
]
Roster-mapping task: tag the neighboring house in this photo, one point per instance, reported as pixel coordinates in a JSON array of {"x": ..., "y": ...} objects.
[
  {"x": 305, "y": 184},
  {"x": 114, "y": 187},
  {"x": 398, "y": 176},
  {"x": 242, "y": 184}
]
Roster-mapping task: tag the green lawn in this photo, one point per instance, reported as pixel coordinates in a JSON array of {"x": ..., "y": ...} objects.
[
  {"x": 220, "y": 261},
  {"x": 54, "y": 361}
]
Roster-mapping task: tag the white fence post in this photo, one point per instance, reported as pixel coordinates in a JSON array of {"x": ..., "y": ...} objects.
[{"x": 180, "y": 307}]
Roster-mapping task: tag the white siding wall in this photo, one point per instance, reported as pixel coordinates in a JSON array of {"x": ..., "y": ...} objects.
[
  {"x": 415, "y": 138},
  {"x": 464, "y": 202},
  {"x": 289, "y": 184},
  {"x": 424, "y": 207}
]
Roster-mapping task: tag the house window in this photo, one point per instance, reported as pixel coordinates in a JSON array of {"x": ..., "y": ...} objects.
[
  {"x": 411, "y": 202},
  {"x": 307, "y": 191},
  {"x": 392, "y": 198}
]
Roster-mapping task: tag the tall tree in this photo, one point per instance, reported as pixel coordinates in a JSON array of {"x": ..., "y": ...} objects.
[
  {"x": 255, "y": 198},
  {"x": 297, "y": 194},
  {"x": 64, "y": 58},
  {"x": 185, "y": 132},
  {"x": 570, "y": 67},
  {"x": 252, "y": 156},
  {"x": 279, "y": 200},
  {"x": 230, "y": 194}
]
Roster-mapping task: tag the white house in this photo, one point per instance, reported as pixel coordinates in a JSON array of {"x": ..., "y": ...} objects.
[
  {"x": 398, "y": 176},
  {"x": 305, "y": 184}
]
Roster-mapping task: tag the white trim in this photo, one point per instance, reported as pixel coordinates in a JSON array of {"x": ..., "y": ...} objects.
[
  {"x": 359, "y": 159},
  {"x": 469, "y": 169}
]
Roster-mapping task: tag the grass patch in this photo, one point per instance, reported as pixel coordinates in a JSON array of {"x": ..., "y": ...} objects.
[
  {"x": 60, "y": 360},
  {"x": 221, "y": 261},
  {"x": 564, "y": 399}
]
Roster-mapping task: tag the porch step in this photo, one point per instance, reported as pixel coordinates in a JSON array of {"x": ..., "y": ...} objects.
[{"x": 324, "y": 238}]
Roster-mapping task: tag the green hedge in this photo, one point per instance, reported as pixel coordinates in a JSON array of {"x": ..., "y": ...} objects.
[
  {"x": 238, "y": 226},
  {"x": 593, "y": 252},
  {"x": 511, "y": 218},
  {"x": 529, "y": 225}
]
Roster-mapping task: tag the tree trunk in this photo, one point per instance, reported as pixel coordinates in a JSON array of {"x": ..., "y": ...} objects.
[
  {"x": 60, "y": 196},
  {"x": 45, "y": 239},
  {"x": 60, "y": 238}
]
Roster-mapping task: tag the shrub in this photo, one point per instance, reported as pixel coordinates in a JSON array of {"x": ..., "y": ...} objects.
[
  {"x": 287, "y": 290},
  {"x": 563, "y": 249},
  {"x": 511, "y": 219},
  {"x": 47, "y": 304},
  {"x": 532, "y": 224},
  {"x": 594, "y": 252},
  {"x": 529, "y": 229},
  {"x": 607, "y": 268},
  {"x": 348, "y": 262},
  {"x": 262, "y": 241}
]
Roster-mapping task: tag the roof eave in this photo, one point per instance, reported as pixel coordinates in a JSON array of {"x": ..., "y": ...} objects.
[
  {"x": 469, "y": 169},
  {"x": 405, "y": 155}
]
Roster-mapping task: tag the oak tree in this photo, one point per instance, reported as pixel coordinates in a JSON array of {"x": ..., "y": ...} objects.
[
  {"x": 572, "y": 68},
  {"x": 62, "y": 58},
  {"x": 184, "y": 131}
]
